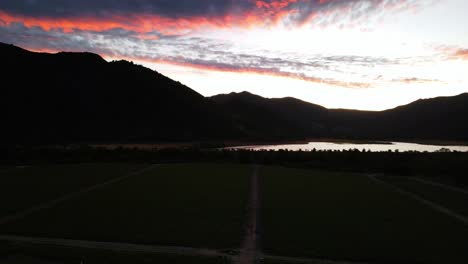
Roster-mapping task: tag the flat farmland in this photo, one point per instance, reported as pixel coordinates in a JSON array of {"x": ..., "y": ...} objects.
[
  {"x": 40, "y": 254},
  {"x": 342, "y": 216},
  {"x": 170, "y": 205},
  {"x": 199, "y": 213},
  {"x": 455, "y": 200},
  {"x": 24, "y": 187}
]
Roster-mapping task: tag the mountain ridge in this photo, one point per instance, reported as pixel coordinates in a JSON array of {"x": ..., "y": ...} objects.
[
  {"x": 346, "y": 109},
  {"x": 76, "y": 97},
  {"x": 80, "y": 97}
]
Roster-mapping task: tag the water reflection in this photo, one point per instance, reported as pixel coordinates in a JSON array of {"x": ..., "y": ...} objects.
[{"x": 393, "y": 146}]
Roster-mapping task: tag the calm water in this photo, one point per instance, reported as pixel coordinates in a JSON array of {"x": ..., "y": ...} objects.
[{"x": 400, "y": 146}]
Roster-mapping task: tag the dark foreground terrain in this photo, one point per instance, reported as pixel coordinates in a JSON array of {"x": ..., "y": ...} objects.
[
  {"x": 448, "y": 167},
  {"x": 87, "y": 205},
  {"x": 62, "y": 201}
]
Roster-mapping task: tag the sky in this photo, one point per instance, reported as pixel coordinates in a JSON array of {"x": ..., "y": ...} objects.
[{"x": 357, "y": 54}]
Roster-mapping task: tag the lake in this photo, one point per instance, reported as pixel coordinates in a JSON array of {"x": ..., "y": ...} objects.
[{"x": 378, "y": 147}]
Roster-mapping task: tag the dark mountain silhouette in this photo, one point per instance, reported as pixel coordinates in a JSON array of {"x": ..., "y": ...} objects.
[
  {"x": 282, "y": 118},
  {"x": 80, "y": 97},
  {"x": 442, "y": 118}
]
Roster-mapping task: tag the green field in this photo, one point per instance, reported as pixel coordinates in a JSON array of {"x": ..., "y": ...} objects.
[
  {"x": 453, "y": 200},
  {"x": 269, "y": 261},
  {"x": 304, "y": 214},
  {"x": 350, "y": 217},
  {"x": 180, "y": 205},
  {"x": 37, "y": 254},
  {"x": 22, "y": 188},
  {"x": 282, "y": 261}
]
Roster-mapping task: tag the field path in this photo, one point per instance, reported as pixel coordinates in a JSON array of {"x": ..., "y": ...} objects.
[
  {"x": 441, "y": 185},
  {"x": 428, "y": 203},
  {"x": 248, "y": 252},
  {"x": 69, "y": 196},
  {"x": 137, "y": 248},
  {"x": 113, "y": 246},
  {"x": 299, "y": 260}
]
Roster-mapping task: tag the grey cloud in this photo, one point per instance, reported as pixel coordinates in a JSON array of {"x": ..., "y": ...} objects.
[
  {"x": 415, "y": 80},
  {"x": 195, "y": 52},
  {"x": 74, "y": 8}
]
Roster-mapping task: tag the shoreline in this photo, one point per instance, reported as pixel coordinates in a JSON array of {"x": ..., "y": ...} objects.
[{"x": 234, "y": 144}]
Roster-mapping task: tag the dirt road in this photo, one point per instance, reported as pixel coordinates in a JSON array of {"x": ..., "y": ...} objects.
[{"x": 248, "y": 252}]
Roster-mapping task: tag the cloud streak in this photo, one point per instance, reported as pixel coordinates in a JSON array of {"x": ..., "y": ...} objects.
[
  {"x": 206, "y": 54},
  {"x": 232, "y": 68},
  {"x": 414, "y": 80}
]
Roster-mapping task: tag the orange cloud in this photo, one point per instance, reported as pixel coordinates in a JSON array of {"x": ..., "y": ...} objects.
[
  {"x": 461, "y": 54},
  {"x": 145, "y": 23},
  {"x": 42, "y": 50},
  {"x": 266, "y": 13},
  {"x": 137, "y": 23},
  {"x": 452, "y": 52},
  {"x": 261, "y": 13}
]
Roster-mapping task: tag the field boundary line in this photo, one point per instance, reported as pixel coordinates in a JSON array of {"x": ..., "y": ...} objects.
[
  {"x": 51, "y": 203},
  {"x": 437, "y": 207},
  {"x": 301, "y": 260},
  {"x": 115, "y": 246},
  {"x": 140, "y": 248},
  {"x": 445, "y": 186}
]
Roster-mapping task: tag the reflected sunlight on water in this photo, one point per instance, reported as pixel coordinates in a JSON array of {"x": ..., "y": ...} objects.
[{"x": 393, "y": 146}]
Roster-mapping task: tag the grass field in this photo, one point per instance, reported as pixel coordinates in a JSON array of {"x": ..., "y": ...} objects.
[
  {"x": 453, "y": 200},
  {"x": 350, "y": 217},
  {"x": 37, "y": 254},
  {"x": 304, "y": 213},
  {"x": 270, "y": 261},
  {"x": 180, "y": 205},
  {"x": 21, "y": 188}
]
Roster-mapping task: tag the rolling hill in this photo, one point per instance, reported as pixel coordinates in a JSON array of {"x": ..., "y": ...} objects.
[{"x": 441, "y": 118}]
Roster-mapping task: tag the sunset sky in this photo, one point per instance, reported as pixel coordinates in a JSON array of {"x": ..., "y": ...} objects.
[{"x": 361, "y": 54}]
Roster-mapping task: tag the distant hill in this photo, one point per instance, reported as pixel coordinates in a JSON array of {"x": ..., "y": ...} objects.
[
  {"x": 282, "y": 118},
  {"x": 80, "y": 97},
  {"x": 442, "y": 118}
]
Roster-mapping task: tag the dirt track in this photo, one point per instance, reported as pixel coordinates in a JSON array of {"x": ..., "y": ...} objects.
[
  {"x": 122, "y": 247},
  {"x": 445, "y": 186},
  {"x": 184, "y": 251},
  {"x": 248, "y": 252}
]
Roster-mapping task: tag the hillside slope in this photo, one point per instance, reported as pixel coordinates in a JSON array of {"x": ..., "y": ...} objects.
[{"x": 80, "y": 97}]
